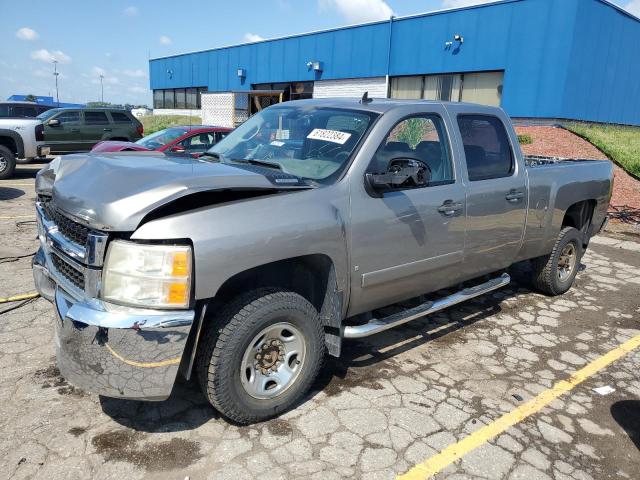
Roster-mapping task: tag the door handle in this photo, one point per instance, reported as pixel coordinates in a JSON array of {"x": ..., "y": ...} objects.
[
  {"x": 107, "y": 129},
  {"x": 75, "y": 130},
  {"x": 449, "y": 208},
  {"x": 514, "y": 196}
]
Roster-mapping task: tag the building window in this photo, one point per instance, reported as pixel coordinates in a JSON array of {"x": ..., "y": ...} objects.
[
  {"x": 178, "y": 98},
  {"x": 476, "y": 87},
  {"x": 290, "y": 90}
]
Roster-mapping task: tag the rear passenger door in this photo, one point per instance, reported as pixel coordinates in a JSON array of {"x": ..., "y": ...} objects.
[
  {"x": 496, "y": 194},
  {"x": 96, "y": 127},
  {"x": 408, "y": 240}
]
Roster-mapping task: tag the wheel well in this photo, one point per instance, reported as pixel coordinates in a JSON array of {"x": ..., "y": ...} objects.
[
  {"x": 10, "y": 143},
  {"x": 307, "y": 275},
  {"x": 579, "y": 215}
]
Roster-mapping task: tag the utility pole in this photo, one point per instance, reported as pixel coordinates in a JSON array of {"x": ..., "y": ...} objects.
[
  {"x": 101, "y": 89},
  {"x": 55, "y": 74}
]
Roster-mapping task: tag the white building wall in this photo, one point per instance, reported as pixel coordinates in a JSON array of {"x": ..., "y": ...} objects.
[
  {"x": 351, "y": 87},
  {"x": 177, "y": 111}
]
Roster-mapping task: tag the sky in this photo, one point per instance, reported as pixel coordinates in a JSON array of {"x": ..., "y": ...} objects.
[{"x": 115, "y": 38}]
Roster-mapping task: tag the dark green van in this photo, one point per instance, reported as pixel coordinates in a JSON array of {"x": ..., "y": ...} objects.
[{"x": 79, "y": 129}]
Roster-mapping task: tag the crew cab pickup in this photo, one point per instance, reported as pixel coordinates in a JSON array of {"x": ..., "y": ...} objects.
[
  {"x": 20, "y": 138},
  {"x": 244, "y": 267}
]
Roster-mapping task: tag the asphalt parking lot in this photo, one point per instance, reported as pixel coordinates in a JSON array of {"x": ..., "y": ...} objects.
[{"x": 390, "y": 404}]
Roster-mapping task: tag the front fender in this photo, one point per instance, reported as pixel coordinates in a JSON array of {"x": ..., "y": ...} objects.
[{"x": 231, "y": 238}]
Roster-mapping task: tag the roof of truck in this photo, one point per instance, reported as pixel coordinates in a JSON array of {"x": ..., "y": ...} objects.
[{"x": 381, "y": 105}]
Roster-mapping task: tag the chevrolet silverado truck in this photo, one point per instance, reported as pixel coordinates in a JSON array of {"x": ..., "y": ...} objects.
[
  {"x": 20, "y": 139},
  {"x": 244, "y": 267}
]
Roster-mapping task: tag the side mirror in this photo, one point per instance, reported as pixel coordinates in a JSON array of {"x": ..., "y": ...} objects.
[
  {"x": 178, "y": 149},
  {"x": 54, "y": 122},
  {"x": 401, "y": 172}
]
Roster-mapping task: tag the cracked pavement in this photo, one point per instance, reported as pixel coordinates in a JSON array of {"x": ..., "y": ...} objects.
[{"x": 390, "y": 402}]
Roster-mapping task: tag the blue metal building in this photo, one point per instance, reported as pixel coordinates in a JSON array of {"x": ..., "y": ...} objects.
[
  {"x": 44, "y": 100},
  {"x": 560, "y": 59}
]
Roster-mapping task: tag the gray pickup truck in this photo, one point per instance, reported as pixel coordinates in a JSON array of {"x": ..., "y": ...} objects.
[{"x": 246, "y": 266}]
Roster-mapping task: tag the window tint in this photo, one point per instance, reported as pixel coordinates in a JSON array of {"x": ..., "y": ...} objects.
[
  {"x": 486, "y": 147},
  {"x": 120, "y": 117},
  {"x": 68, "y": 117},
  {"x": 24, "y": 111},
  {"x": 92, "y": 118},
  {"x": 422, "y": 137}
]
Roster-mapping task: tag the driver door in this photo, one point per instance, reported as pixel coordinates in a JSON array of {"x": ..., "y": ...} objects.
[{"x": 408, "y": 240}]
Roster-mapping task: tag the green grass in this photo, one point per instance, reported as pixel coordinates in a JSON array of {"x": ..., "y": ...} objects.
[
  {"x": 525, "y": 139},
  {"x": 153, "y": 123},
  {"x": 620, "y": 144}
]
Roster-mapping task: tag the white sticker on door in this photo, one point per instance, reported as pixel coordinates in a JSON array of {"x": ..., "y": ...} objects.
[{"x": 334, "y": 136}]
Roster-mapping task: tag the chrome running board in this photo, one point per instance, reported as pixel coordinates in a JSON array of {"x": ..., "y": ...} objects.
[{"x": 378, "y": 325}]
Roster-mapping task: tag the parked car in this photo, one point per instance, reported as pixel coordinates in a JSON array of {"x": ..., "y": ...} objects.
[
  {"x": 289, "y": 236},
  {"x": 191, "y": 139},
  {"x": 13, "y": 109},
  {"x": 21, "y": 139},
  {"x": 79, "y": 129}
]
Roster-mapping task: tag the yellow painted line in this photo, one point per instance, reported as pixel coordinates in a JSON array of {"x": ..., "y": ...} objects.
[
  {"x": 14, "y": 217},
  {"x": 17, "y": 298},
  {"x": 454, "y": 452},
  {"x": 163, "y": 363}
]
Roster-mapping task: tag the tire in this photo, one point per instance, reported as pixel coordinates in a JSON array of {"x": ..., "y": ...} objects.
[
  {"x": 7, "y": 163},
  {"x": 228, "y": 345},
  {"x": 548, "y": 277}
]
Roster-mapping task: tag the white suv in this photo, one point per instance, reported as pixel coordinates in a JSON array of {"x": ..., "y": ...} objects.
[{"x": 20, "y": 138}]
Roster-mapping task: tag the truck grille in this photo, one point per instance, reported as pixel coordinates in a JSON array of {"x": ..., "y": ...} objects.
[
  {"x": 73, "y": 231},
  {"x": 76, "y": 277}
]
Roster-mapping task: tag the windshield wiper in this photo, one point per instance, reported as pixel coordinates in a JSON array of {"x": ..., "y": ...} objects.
[
  {"x": 211, "y": 154},
  {"x": 263, "y": 163}
]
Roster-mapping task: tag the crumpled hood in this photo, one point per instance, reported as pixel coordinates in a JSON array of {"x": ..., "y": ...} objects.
[
  {"x": 115, "y": 191},
  {"x": 117, "y": 146}
]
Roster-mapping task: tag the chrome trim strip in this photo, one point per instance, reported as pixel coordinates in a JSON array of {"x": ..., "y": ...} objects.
[{"x": 380, "y": 325}]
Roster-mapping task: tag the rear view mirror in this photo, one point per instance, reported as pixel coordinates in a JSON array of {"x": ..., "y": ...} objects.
[
  {"x": 401, "y": 172},
  {"x": 54, "y": 122}
]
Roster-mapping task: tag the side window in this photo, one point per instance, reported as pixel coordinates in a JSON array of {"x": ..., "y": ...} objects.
[
  {"x": 95, "y": 118},
  {"x": 119, "y": 117},
  {"x": 422, "y": 137},
  {"x": 486, "y": 147},
  {"x": 68, "y": 117},
  {"x": 220, "y": 136},
  {"x": 198, "y": 143}
]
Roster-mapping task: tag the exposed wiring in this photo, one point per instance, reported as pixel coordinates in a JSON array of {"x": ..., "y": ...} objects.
[{"x": 625, "y": 213}]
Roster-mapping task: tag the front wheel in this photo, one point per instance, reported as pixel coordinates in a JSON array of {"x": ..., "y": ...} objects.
[
  {"x": 261, "y": 355},
  {"x": 554, "y": 274},
  {"x": 7, "y": 163}
]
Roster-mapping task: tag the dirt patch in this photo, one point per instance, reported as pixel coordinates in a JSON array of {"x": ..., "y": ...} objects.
[
  {"x": 279, "y": 427},
  {"x": 128, "y": 446},
  {"x": 77, "y": 431},
  {"x": 51, "y": 378}
]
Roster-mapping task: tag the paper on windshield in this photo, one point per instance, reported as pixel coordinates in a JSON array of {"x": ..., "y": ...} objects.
[{"x": 334, "y": 136}]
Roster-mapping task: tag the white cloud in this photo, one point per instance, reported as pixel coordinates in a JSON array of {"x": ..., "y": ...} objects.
[
  {"x": 43, "y": 72},
  {"x": 136, "y": 89},
  {"x": 633, "y": 7},
  {"x": 26, "y": 33},
  {"x": 138, "y": 73},
  {"x": 97, "y": 71},
  {"x": 164, "y": 40},
  {"x": 45, "y": 55},
  {"x": 131, "y": 11},
  {"x": 462, "y": 3},
  {"x": 359, "y": 10},
  {"x": 252, "y": 37}
]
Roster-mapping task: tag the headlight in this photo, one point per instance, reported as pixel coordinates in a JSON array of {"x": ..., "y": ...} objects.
[{"x": 147, "y": 275}]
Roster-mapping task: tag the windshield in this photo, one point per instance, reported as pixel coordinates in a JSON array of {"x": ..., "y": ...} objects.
[
  {"x": 48, "y": 114},
  {"x": 161, "y": 138},
  {"x": 306, "y": 141}
]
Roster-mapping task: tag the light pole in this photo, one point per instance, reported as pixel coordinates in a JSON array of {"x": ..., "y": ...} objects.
[
  {"x": 101, "y": 89},
  {"x": 55, "y": 74}
]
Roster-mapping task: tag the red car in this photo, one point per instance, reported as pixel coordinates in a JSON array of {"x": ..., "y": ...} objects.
[{"x": 193, "y": 139}]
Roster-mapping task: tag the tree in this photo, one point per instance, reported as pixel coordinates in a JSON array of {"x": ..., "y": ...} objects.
[{"x": 30, "y": 98}]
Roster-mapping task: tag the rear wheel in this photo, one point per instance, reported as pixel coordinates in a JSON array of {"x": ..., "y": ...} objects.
[
  {"x": 554, "y": 274},
  {"x": 7, "y": 163},
  {"x": 261, "y": 355}
]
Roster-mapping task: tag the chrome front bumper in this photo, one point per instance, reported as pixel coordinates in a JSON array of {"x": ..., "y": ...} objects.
[{"x": 110, "y": 349}]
